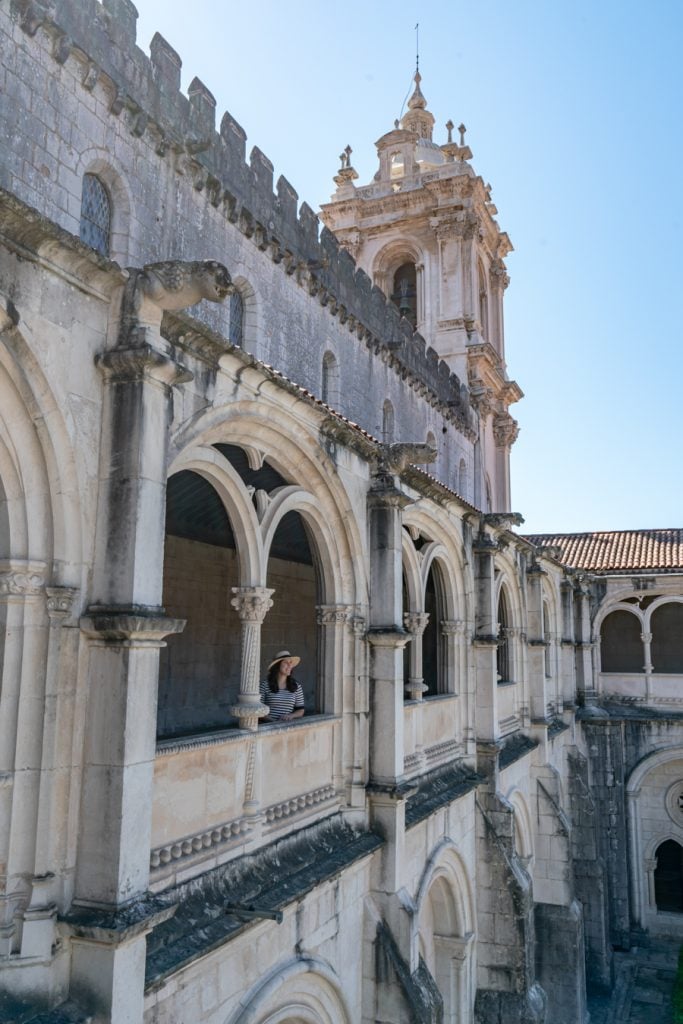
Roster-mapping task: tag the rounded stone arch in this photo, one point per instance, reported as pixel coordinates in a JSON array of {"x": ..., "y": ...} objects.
[
  {"x": 446, "y": 862},
  {"x": 646, "y": 834},
  {"x": 524, "y": 833},
  {"x": 411, "y": 574},
  {"x": 123, "y": 245},
  {"x": 37, "y": 463},
  {"x": 657, "y": 603},
  {"x": 626, "y": 646},
  {"x": 296, "y": 455},
  {"x": 444, "y": 929},
  {"x": 616, "y": 603},
  {"x": 391, "y": 256},
  {"x": 210, "y": 464},
  {"x": 435, "y": 554},
  {"x": 296, "y": 499},
  {"x": 305, "y": 990},
  {"x": 443, "y": 545},
  {"x": 251, "y": 313}
]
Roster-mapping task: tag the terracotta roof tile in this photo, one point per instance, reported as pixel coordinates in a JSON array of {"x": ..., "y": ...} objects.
[{"x": 618, "y": 551}]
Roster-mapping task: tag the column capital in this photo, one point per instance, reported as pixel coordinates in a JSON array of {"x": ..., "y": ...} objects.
[
  {"x": 416, "y": 622},
  {"x": 22, "y": 578},
  {"x": 252, "y": 604},
  {"x": 333, "y": 614},
  {"x": 387, "y": 638},
  {"x": 60, "y": 602},
  {"x": 453, "y": 627},
  {"x": 139, "y": 627},
  {"x": 129, "y": 365}
]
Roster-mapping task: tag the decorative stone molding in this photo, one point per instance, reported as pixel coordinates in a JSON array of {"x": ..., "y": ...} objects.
[
  {"x": 128, "y": 365},
  {"x": 453, "y": 627},
  {"x": 189, "y": 846},
  {"x": 128, "y": 627},
  {"x": 297, "y": 804},
  {"x": 439, "y": 753},
  {"x": 252, "y": 604},
  {"x": 20, "y": 578},
  {"x": 332, "y": 614},
  {"x": 416, "y": 623},
  {"x": 505, "y": 430},
  {"x": 60, "y": 602},
  {"x": 358, "y": 626}
]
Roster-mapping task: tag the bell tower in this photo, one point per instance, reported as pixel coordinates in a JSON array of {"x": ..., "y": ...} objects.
[{"x": 424, "y": 230}]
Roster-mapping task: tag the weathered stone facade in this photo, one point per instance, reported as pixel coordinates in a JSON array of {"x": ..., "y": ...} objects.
[{"x": 471, "y": 809}]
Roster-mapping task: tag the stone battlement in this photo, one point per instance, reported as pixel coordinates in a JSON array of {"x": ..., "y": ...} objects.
[{"x": 145, "y": 91}]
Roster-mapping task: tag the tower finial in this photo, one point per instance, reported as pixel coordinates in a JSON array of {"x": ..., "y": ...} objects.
[{"x": 417, "y": 47}]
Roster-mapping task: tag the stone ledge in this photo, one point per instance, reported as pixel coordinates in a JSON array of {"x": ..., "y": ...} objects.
[
  {"x": 515, "y": 749},
  {"x": 299, "y": 862},
  {"x": 438, "y": 788}
]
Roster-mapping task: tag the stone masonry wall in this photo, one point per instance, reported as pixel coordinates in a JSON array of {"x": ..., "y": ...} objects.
[{"x": 78, "y": 95}]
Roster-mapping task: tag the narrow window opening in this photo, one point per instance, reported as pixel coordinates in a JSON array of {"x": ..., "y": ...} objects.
[
  {"x": 95, "y": 227},
  {"x": 236, "y": 328},
  {"x": 404, "y": 294},
  {"x": 669, "y": 877}
]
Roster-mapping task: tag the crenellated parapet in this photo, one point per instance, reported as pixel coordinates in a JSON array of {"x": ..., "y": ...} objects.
[{"x": 144, "y": 91}]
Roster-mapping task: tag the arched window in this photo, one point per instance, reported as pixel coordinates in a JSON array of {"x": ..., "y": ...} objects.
[
  {"x": 397, "y": 165},
  {"x": 667, "y": 638},
  {"x": 669, "y": 877},
  {"x": 404, "y": 291},
  {"x": 95, "y": 226},
  {"x": 433, "y": 654},
  {"x": 621, "y": 648},
  {"x": 388, "y": 425},
  {"x": 330, "y": 380},
  {"x": 503, "y": 659},
  {"x": 236, "y": 328}
]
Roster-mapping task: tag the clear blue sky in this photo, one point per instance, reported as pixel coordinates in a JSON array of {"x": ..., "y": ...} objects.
[{"x": 574, "y": 115}]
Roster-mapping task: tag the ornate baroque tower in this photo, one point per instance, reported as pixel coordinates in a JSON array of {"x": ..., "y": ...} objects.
[{"x": 424, "y": 231}]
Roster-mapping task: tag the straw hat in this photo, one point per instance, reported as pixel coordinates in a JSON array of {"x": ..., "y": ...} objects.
[{"x": 281, "y": 655}]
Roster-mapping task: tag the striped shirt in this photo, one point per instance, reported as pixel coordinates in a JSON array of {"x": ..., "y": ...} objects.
[{"x": 282, "y": 702}]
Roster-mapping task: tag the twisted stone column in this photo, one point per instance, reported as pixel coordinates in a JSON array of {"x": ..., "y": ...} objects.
[{"x": 252, "y": 604}]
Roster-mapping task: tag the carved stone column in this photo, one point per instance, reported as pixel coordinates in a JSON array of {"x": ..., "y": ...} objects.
[
  {"x": 485, "y": 640},
  {"x": 22, "y": 668},
  {"x": 361, "y": 706},
  {"x": 416, "y": 624},
  {"x": 585, "y": 675},
  {"x": 567, "y": 660},
  {"x": 331, "y": 620},
  {"x": 52, "y": 839},
  {"x": 125, "y": 627},
  {"x": 538, "y": 697},
  {"x": 648, "y": 667},
  {"x": 455, "y": 671},
  {"x": 252, "y": 604}
]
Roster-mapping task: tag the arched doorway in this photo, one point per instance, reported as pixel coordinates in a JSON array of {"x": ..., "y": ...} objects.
[{"x": 669, "y": 877}]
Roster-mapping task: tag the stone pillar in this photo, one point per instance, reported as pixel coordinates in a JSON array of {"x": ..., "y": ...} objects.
[
  {"x": 416, "y": 624},
  {"x": 648, "y": 667},
  {"x": 252, "y": 605},
  {"x": 485, "y": 640},
  {"x": 567, "y": 659},
  {"x": 560, "y": 961},
  {"x": 361, "y": 708},
  {"x": 125, "y": 628},
  {"x": 22, "y": 667},
  {"x": 332, "y": 621},
  {"x": 505, "y": 431},
  {"x": 538, "y": 696},
  {"x": 52, "y": 838},
  {"x": 386, "y": 789},
  {"x": 585, "y": 676}
]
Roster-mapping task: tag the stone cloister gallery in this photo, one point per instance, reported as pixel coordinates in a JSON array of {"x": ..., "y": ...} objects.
[{"x": 228, "y": 431}]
